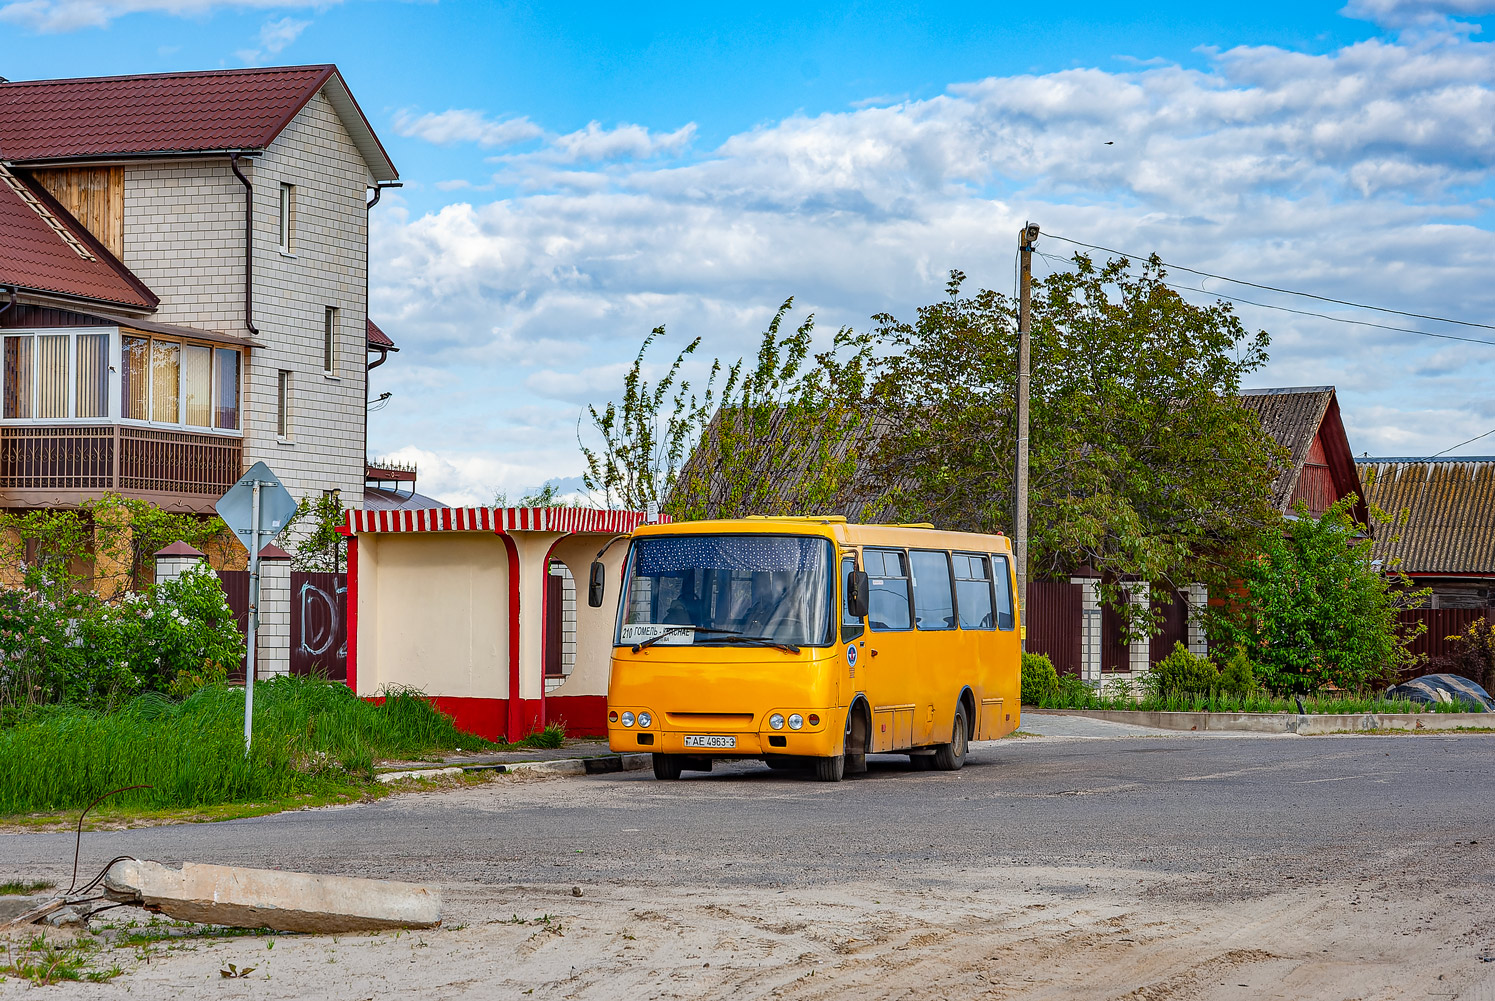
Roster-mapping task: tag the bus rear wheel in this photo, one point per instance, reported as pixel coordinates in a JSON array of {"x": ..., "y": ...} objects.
[
  {"x": 950, "y": 757},
  {"x": 667, "y": 766},
  {"x": 830, "y": 769}
]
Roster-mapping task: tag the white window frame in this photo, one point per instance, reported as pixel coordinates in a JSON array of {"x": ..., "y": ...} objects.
[
  {"x": 331, "y": 319},
  {"x": 114, "y": 413},
  {"x": 287, "y": 215},
  {"x": 285, "y": 430}
]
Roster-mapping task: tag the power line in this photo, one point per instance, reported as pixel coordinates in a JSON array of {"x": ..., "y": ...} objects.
[
  {"x": 1285, "y": 291},
  {"x": 1463, "y": 443},
  {"x": 1299, "y": 312}
]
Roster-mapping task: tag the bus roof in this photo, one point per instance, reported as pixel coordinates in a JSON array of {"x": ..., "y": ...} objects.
[{"x": 837, "y": 528}]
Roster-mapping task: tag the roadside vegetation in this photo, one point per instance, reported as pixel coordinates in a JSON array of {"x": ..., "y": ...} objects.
[{"x": 1183, "y": 682}]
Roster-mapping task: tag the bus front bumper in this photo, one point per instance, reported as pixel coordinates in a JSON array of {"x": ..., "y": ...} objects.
[{"x": 821, "y": 742}]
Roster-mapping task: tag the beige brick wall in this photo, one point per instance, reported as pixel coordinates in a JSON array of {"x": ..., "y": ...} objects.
[{"x": 184, "y": 237}]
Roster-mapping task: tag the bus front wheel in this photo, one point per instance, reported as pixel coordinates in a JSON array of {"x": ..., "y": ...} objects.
[
  {"x": 830, "y": 769},
  {"x": 667, "y": 766},
  {"x": 949, "y": 757}
]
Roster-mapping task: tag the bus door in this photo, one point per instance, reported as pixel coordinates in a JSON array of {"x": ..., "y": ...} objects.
[
  {"x": 944, "y": 659},
  {"x": 891, "y": 656},
  {"x": 852, "y": 666}
]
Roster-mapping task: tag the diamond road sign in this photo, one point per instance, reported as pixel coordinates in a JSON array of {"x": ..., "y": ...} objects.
[{"x": 236, "y": 507}]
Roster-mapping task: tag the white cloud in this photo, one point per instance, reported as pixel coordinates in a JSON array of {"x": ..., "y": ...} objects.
[
  {"x": 1354, "y": 173},
  {"x": 464, "y": 125},
  {"x": 275, "y": 35},
  {"x": 624, "y": 142},
  {"x": 71, "y": 15},
  {"x": 1415, "y": 13}
]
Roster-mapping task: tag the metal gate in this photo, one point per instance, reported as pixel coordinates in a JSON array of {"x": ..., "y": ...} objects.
[
  {"x": 319, "y": 624},
  {"x": 1175, "y": 628},
  {"x": 1054, "y": 622},
  {"x": 236, "y": 590}
]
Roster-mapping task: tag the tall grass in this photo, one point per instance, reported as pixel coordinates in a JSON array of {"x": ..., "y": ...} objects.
[{"x": 309, "y": 736}]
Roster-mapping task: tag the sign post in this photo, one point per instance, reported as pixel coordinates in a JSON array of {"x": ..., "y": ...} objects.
[{"x": 257, "y": 509}]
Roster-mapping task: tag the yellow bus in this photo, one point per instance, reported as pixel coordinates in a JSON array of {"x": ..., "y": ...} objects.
[{"x": 809, "y": 641}]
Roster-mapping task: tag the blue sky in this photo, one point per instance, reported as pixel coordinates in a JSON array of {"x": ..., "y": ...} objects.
[{"x": 577, "y": 174}]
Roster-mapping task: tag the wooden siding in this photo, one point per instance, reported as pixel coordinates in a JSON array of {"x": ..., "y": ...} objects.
[
  {"x": 96, "y": 198},
  {"x": 1315, "y": 486}
]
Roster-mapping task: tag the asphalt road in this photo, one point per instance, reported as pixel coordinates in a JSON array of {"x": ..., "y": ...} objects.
[{"x": 1234, "y": 816}]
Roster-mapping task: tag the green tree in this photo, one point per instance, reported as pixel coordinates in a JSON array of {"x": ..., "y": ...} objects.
[
  {"x": 311, "y": 535},
  {"x": 1142, "y": 463},
  {"x": 721, "y": 453},
  {"x": 1313, "y": 610}
]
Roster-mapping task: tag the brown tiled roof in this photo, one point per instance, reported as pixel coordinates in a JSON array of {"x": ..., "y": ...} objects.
[
  {"x": 1450, "y": 526},
  {"x": 170, "y": 113},
  {"x": 44, "y": 249},
  {"x": 379, "y": 339}
]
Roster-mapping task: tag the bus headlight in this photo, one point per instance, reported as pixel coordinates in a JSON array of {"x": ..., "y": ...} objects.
[
  {"x": 776, "y": 721},
  {"x": 796, "y": 721},
  {"x": 628, "y": 719},
  {"x": 644, "y": 719}
]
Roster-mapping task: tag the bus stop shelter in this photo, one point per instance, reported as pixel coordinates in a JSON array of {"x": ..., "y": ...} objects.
[{"x": 453, "y": 602}]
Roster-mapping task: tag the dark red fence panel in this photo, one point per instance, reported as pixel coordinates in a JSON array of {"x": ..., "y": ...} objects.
[
  {"x": 236, "y": 588},
  {"x": 1441, "y": 624},
  {"x": 1053, "y": 621},
  {"x": 1175, "y": 628},
  {"x": 319, "y": 624}
]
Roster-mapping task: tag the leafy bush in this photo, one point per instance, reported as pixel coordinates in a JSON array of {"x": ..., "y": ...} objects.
[
  {"x": 60, "y": 645},
  {"x": 1237, "y": 677},
  {"x": 1040, "y": 682},
  {"x": 1473, "y": 654},
  {"x": 1314, "y": 610},
  {"x": 1182, "y": 671}
]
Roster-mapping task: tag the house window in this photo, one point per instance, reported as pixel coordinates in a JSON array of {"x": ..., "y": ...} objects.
[
  {"x": 178, "y": 382},
  {"x": 19, "y": 369},
  {"x": 283, "y": 404},
  {"x": 287, "y": 215},
  {"x": 329, "y": 340},
  {"x": 226, "y": 389},
  {"x": 92, "y": 376}
]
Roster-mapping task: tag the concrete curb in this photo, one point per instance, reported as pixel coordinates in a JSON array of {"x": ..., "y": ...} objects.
[
  {"x": 1281, "y": 722},
  {"x": 563, "y": 766}
]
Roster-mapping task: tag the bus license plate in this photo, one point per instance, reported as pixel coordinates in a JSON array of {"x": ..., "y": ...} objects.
[{"x": 710, "y": 741}]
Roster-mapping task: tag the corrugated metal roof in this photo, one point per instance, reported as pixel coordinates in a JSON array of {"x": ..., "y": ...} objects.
[
  {"x": 1292, "y": 417},
  {"x": 1451, "y": 513},
  {"x": 172, "y": 113},
  {"x": 45, "y": 250}
]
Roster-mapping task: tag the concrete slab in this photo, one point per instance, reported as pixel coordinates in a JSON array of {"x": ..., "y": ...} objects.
[
  {"x": 264, "y": 898},
  {"x": 1045, "y": 724}
]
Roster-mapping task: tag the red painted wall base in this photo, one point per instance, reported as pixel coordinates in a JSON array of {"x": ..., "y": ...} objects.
[{"x": 583, "y": 715}]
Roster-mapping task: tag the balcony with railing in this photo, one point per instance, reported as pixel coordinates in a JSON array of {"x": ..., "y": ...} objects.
[{"x": 61, "y": 465}]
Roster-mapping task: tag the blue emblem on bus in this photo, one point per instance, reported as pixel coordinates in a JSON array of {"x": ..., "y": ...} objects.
[{"x": 851, "y": 655}]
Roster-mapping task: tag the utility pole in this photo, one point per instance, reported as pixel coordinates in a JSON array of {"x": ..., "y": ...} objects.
[{"x": 1025, "y": 238}]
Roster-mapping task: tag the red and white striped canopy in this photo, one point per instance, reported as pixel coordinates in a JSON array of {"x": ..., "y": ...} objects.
[{"x": 501, "y": 520}]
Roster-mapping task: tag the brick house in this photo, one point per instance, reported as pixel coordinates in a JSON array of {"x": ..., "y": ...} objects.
[{"x": 184, "y": 285}]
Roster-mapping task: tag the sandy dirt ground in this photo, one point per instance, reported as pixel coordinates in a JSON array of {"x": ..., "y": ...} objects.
[
  {"x": 1364, "y": 922},
  {"x": 1001, "y": 932}
]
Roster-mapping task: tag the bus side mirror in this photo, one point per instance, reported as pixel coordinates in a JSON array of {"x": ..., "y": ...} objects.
[
  {"x": 596, "y": 584},
  {"x": 857, "y": 588}
]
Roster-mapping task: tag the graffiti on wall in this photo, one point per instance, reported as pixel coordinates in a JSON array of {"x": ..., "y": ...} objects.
[{"x": 319, "y": 624}]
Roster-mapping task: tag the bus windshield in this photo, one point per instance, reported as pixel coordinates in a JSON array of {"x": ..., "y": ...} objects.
[{"x": 721, "y": 590}]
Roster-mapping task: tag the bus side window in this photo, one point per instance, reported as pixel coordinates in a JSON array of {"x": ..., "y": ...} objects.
[
  {"x": 934, "y": 603},
  {"x": 889, "y": 593},
  {"x": 1003, "y": 580},
  {"x": 851, "y": 627},
  {"x": 973, "y": 591}
]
